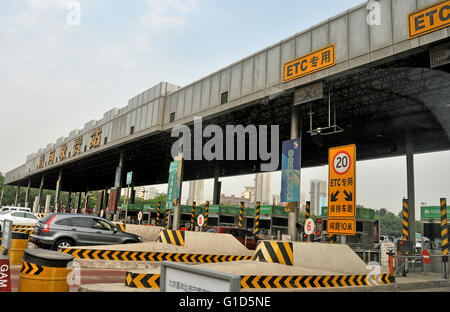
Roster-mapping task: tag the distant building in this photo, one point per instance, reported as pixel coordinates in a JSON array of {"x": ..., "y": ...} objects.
[
  {"x": 318, "y": 196},
  {"x": 195, "y": 192},
  {"x": 276, "y": 199},
  {"x": 249, "y": 193},
  {"x": 232, "y": 200},
  {"x": 146, "y": 192},
  {"x": 262, "y": 188}
]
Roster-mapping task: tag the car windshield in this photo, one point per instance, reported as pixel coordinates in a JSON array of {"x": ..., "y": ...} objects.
[{"x": 4, "y": 212}]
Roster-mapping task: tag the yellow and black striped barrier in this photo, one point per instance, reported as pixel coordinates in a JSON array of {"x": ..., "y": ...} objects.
[
  {"x": 307, "y": 216},
  {"x": 257, "y": 215},
  {"x": 121, "y": 226},
  {"x": 275, "y": 252},
  {"x": 308, "y": 210},
  {"x": 313, "y": 281},
  {"x": 193, "y": 216},
  {"x": 122, "y": 255},
  {"x": 158, "y": 211},
  {"x": 28, "y": 229},
  {"x": 241, "y": 215},
  {"x": 444, "y": 230},
  {"x": 405, "y": 224},
  {"x": 331, "y": 239},
  {"x": 143, "y": 280},
  {"x": 41, "y": 215},
  {"x": 166, "y": 221},
  {"x": 171, "y": 237},
  {"x": 44, "y": 271},
  {"x": 31, "y": 268},
  {"x": 205, "y": 223}
]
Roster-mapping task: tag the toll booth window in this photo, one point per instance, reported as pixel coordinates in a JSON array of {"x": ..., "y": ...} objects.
[
  {"x": 224, "y": 98},
  {"x": 359, "y": 226},
  {"x": 132, "y": 130},
  {"x": 226, "y": 219},
  {"x": 280, "y": 221},
  {"x": 105, "y": 141},
  {"x": 172, "y": 117}
]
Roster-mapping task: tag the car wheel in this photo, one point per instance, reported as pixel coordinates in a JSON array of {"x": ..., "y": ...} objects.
[{"x": 63, "y": 243}]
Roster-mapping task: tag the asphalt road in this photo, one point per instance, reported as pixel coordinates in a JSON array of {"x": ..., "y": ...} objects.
[{"x": 444, "y": 289}]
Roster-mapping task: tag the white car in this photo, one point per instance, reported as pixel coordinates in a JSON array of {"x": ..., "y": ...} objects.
[
  {"x": 18, "y": 218},
  {"x": 12, "y": 208}
]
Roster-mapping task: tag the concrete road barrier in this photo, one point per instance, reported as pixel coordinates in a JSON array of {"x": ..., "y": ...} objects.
[
  {"x": 214, "y": 243},
  {"x": 330, "y": 257},
  {"x": 172, "y": 237},
  {"x": 148, "y": 233}
]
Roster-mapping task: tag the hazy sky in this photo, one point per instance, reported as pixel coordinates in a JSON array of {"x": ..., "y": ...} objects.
[{"x": 54, "y": 77}]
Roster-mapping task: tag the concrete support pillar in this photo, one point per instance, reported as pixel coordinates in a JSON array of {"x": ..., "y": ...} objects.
[
  {"x": 105, "y": 202},
  {"x": 41, "y": 188},
  {"x": 118, "y": 184},
  {"x": 16, "y": 199},
  {"x": 58, "y": 190},
  {"x": 217, "y": 188},
  {"x": 295, "y": 133},
  {"x": 48, "y": 199},
  {"x": 27, "y": 194},
  {"x": 79, "y": 203},
  {"x": 69, "y": 202},
  {"x": 35, "y": 205},
  {"x": 86, "y": 200},
  {"x": 132, "y": 195},
  {"x": 411, "y": 191}
]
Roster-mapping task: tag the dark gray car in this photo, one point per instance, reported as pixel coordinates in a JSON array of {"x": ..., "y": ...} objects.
[{"x": 62, "y": 230}]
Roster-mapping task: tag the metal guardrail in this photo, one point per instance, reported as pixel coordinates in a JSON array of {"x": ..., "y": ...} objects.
[{"x": 403, "y": 268}]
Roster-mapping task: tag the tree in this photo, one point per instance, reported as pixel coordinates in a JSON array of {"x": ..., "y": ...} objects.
[{"x": 391, "y": 224}]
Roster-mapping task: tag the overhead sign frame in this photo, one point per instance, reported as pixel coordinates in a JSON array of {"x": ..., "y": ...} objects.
[
  {"x": 310, "y": 63},
  {"x": 172, "y": 187},
  {"x": 429, "y": 19},
  {"x": 342, "y": 182},
  {"x": 290, "y": 171},
  {"x": 129, "y": 177},
  {"x": 342, "y": 190},
  {"x": 341, "y": 226}
]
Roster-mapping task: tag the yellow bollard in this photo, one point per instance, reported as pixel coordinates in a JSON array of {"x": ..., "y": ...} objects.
[
  {"x": 19, "y": 242},
  {"x": 44, "y": 271}
]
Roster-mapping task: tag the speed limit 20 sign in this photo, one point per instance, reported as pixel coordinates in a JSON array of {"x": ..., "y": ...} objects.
[{"x": 341, "y": 188}]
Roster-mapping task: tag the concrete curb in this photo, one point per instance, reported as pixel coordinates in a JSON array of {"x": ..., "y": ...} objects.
[{"x": 396, "y": 287}]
